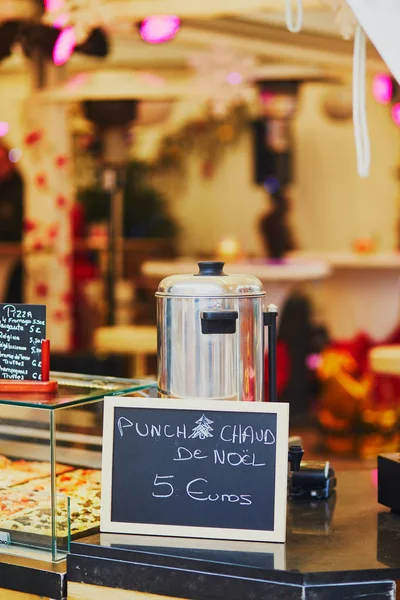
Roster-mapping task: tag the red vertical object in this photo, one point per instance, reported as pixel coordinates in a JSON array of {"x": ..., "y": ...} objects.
[
  {"x": 283, "y": 369},
  {"x": 45, "y": 360}
]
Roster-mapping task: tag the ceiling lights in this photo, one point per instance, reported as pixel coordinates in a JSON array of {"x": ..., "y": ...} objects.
[
  {"x": 64, "y": 46},
  {"x": 396, "y": 114},
  {"x": 159, "y": 29},
  {"x": 86, "y": 14},
  {"x": 382, "y": 88}
]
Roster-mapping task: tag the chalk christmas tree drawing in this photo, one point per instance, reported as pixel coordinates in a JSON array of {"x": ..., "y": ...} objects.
[{"x": 203, "y": 429}]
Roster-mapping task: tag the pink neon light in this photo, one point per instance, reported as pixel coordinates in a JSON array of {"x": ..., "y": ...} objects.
[
  {"x": 152, "y": 79},
  {"x": 234, "y": 78},
  {"x": 64, "y": 46},
  {"x": 267, "y": 97},
  {"x": 313, "y": 361},
  {"x": 396, "y": 113},
  {"x": 4, "y": 128},
  {"x": 382, "y": 88},
  {"x": 15, "y": 155},
  {"x": 160, "y": 28},
  {"x": 374, "y": 478},
  {"x": 61, "y": 21},
  {"x": 53, "y": 5},
  {"x": 78, "y": 81}
]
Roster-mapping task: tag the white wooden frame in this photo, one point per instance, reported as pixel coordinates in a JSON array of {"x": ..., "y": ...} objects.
[{"x": 282, "y": 434}]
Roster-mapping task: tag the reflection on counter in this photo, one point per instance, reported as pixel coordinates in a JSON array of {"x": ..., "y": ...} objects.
[
  {"x": 258, "y": 555},
  {"x": 314, "y": 517},
  {"x": 389, "y": 539}
]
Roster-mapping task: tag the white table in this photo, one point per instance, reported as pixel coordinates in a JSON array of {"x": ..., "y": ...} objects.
[
  {"x": 137, "y": 341},
  {"x": 385, "y": 360},
  {"x": 278, "y": 278},
  {"x": 362, "y": 294}
]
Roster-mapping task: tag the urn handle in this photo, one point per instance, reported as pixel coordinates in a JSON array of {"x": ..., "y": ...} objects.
[
  {"x": 270, "y": 321},
  {"x": 223, "y": 321}
]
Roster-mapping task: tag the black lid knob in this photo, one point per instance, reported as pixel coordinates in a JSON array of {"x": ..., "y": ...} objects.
[{"x": 211, "y": 267}]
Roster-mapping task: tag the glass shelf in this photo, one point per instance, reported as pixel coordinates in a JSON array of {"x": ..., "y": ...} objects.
[
  {"x": 75, "y": 389},
  {"x": 50, "y": 462}
]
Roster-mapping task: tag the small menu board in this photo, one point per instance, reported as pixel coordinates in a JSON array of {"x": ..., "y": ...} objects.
[
  {"x": 22, "y": 329},
  {"x": 211, "y": 469}
]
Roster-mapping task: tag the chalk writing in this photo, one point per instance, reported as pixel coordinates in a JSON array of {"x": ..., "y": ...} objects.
[
  {"x": 195, "y": 492},
  {"x": 203, "y": 429},
  {"x": 196, "y": 489},
  {"x": 211, "y": 468},
  {"x": 236, "y": 434},
  {"x": 122, "y": 423}
]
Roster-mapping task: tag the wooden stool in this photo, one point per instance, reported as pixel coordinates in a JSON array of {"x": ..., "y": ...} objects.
[{"x": 137, "y": 341}]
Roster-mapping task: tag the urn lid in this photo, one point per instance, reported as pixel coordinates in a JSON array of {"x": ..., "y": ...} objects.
[{"x": 211, "y": 281}]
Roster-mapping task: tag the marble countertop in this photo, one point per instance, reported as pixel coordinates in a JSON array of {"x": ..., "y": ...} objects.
[
  {"x": 343, "y": 548},
  {"x": 346, "y": 540},
  {"x": 29, "y": 576}
]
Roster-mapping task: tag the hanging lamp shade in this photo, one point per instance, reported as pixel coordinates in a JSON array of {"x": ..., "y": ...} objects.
[{"x": 381, "y": 21}]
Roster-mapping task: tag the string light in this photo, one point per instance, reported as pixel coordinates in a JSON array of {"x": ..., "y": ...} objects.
[
  {"x": 56, "y": 6},
  {"x": 15, "y": 155},
  {"x": 53, "y": 5},
  {"x": 159, "y": 29},
  {"x": 272, "y": 185},
  {"x": 396, "y": 113},
  {"x": 4, "y": 128},
  {"x": 235, "y": 78},
  {"x": 64, "y": 46},
  {"x": 382, "y": 88}
]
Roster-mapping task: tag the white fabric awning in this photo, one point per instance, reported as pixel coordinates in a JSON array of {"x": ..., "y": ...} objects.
[{"x": 380, "y": 21}]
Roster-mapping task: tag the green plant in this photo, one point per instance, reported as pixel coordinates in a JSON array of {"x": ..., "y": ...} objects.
[{"x": 145, "y": 210}]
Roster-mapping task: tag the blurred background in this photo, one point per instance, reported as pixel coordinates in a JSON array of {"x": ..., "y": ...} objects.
[{"x": 135, "y": 142}]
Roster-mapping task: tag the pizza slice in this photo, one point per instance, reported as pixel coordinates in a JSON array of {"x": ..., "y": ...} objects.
[
  {"x": 81, "y": 476},
  {"x": 84, "y": 515},
  {"x": 36, "y": 521},
  {"x": 12, "y": 503},
  {"x": 20, "y": 471},
  {"x": 27, "y": 506},
  {"x": 77, "y": 483},
  {"x": 38, "y": 469},
  {"x": 4, "y": 462},
  {"x": 10, "y": 477}
]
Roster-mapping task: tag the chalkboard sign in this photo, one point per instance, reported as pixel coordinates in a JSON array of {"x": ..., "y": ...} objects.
[
  {"x": 22, "y": 329},
  {"x": 195, "y": 469}
]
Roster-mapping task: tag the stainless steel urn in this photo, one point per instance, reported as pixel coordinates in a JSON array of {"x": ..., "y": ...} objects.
[{"x": 211, "y": 335}]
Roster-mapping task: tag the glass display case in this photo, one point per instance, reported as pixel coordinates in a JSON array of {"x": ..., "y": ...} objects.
[{"x": 50, "y": 463}]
